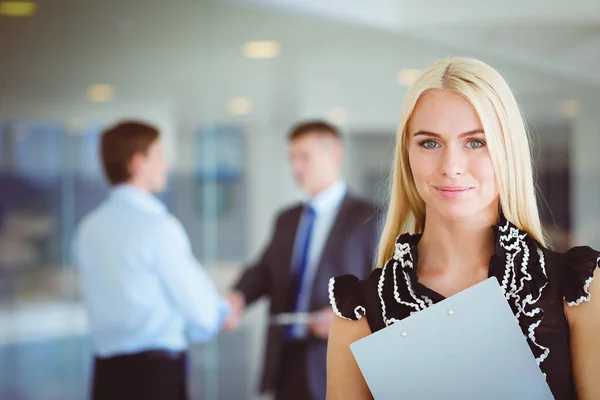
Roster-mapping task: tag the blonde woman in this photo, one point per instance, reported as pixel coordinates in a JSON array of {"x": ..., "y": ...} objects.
[{"x": 463, "y": 208}]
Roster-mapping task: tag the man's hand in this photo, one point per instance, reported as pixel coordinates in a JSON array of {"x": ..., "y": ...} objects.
[
  {"x": 237, "y": 302},
  {"x": 321, "y": 322}
]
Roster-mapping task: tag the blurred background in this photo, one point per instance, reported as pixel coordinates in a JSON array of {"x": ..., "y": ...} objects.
[{"x": 225, "y": 80}]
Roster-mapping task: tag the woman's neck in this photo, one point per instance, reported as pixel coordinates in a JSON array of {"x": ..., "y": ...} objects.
[{"x": 456, "y": 248}]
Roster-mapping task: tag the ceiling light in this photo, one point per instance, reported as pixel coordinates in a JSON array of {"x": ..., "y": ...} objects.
[
  {"x": 261, "y": 49},
  {"x": 101, "y": 93},
  {"x": 17, "y": 8},
  {"x": 570, "y": 108},
  {"x": 239, "y": 106},
  {"x": 407, "y": 77},
  {"x": 337, "y": 116}
]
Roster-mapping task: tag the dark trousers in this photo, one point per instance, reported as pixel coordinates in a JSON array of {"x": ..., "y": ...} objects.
[
  {"x": 293, "y": 382},
  {"x": 150, "y": 375}
]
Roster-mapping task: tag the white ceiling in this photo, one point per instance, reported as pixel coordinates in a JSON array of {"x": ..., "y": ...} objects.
[
  {"x": 186, "y": 54},
  {"x": 555, "y": 36}
]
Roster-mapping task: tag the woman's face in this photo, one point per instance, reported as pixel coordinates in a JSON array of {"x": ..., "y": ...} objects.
[{"x": 449, "y": 158}]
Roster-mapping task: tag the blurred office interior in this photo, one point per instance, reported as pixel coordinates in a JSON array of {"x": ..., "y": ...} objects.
[{"x": 225, "y": 80}]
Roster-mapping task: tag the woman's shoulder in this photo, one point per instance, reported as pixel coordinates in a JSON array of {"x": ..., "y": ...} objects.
[
  {"x": 350, "y": 296},
  {"x": 566, "y": 275},
  {"x": 386, "y": 295},
  {"x": 573, "y": 270}
]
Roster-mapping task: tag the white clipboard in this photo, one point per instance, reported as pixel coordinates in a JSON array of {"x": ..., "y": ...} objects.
[{"x": 468, "y": 346}]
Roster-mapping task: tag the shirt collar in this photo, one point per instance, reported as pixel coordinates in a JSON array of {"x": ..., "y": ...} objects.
[
  {"x": 138, "y": 197},
  {"x": 329, "y": 198}
]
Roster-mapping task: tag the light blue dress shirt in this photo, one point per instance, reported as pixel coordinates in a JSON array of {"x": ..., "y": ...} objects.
[
  {"x": 326, "y": 205},
  {"x": 142, "y": 286}
]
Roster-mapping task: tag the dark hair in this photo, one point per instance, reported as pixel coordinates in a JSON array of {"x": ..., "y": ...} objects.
[
  {"x": 120, "y": 143},
  {"x": 313, "y": 127}
]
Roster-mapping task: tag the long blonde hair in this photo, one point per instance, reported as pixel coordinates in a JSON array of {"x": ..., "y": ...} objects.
[{"x": 507, "y": 140}]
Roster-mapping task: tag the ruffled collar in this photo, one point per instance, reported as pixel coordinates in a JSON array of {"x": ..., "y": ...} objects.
[{"x": 518, "y": 264}]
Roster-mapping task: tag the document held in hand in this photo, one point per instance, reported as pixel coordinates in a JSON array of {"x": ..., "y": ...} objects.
[{"x": 469, "y": 346}]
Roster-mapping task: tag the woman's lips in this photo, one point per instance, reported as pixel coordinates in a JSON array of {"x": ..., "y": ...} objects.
[{"x": 453, "y": 192}]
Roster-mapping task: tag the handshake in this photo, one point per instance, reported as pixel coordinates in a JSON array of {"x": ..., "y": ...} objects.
[
  {"x": 319, "y": 322},
  {"x": 237, "y": 304}
]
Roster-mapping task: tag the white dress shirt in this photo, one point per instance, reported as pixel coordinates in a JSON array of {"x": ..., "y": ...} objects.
[{"x": 142, "y": 286}]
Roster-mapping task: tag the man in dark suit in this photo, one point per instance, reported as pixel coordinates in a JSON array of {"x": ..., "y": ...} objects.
[{"x": 333, "y": 233}]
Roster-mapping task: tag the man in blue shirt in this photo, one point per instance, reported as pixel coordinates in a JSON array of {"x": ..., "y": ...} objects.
[{"x": 146, "y": 294}]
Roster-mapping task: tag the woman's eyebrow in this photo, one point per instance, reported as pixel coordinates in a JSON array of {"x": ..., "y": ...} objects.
[{"x": 437, "y": 135}]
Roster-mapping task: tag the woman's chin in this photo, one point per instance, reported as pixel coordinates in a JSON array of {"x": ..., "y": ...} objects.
[{"x": 460, "y": 212}]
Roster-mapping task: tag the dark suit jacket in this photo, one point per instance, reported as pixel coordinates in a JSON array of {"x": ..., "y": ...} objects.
[{"x": 350, "y": 249}]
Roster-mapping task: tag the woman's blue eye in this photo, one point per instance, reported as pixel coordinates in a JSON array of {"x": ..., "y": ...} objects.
[
  {"x": 429, "y": 144},
  {"x": 476, "y": 144}
]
